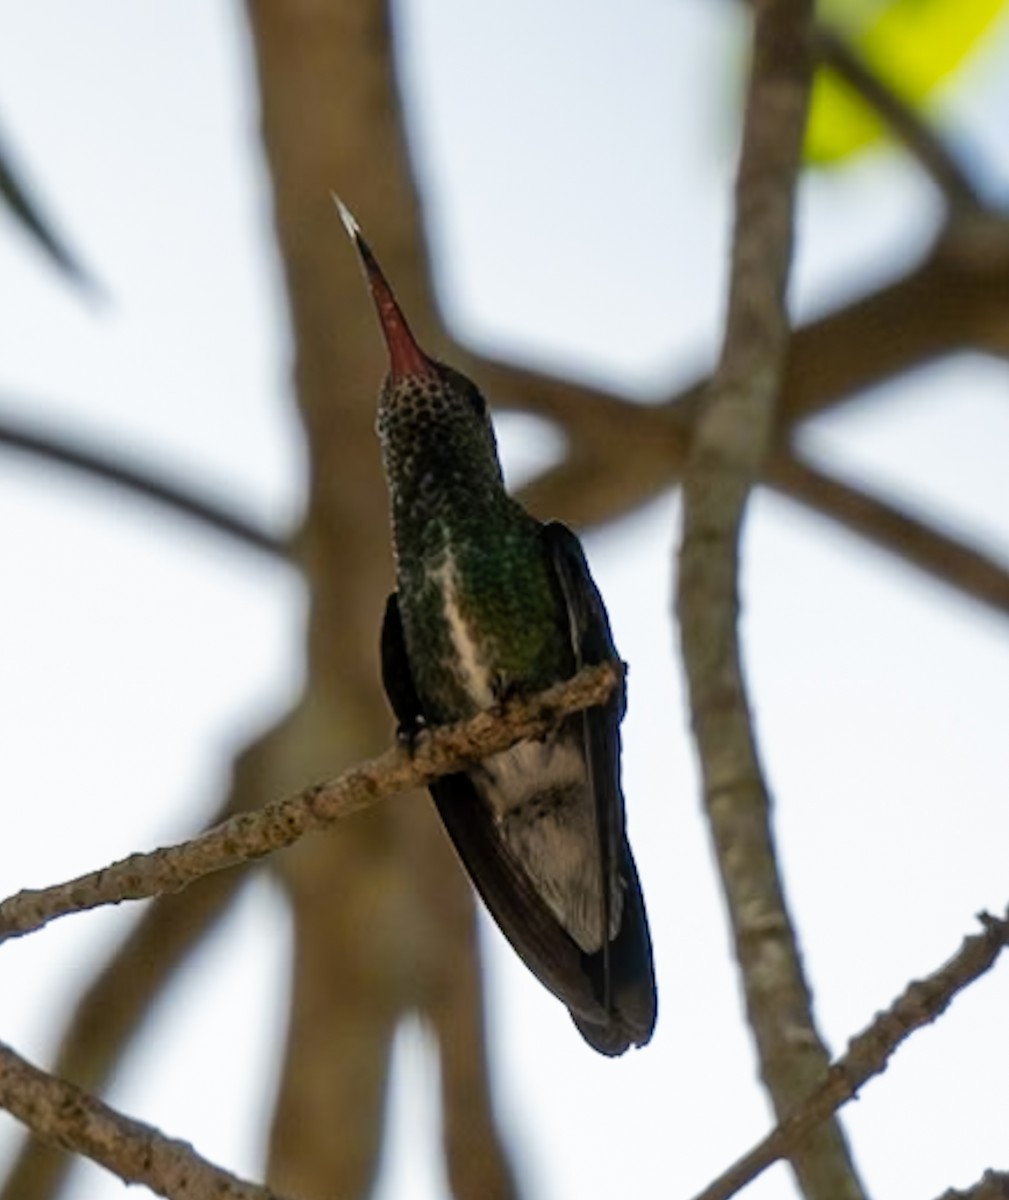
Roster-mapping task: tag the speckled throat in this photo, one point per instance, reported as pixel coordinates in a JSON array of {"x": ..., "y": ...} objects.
[{"x": 480, "y": 610}]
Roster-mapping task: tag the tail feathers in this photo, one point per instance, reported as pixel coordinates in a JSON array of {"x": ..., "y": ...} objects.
[{"x": 633, "y": 1006}]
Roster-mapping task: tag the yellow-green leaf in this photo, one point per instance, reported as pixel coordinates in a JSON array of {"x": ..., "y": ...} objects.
[{"x": 914, "y": 46}]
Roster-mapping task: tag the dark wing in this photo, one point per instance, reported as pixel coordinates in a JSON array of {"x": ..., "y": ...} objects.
[
  {"x": 622, "y": 971},
  {"x": 533, "y": 931},
  {"x": 397, "y": 678},
  {"x": 592, "y": 643},
  {"x": 527, "y": 923}
]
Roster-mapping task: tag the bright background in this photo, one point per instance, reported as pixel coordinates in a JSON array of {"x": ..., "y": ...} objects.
[{"x": 578, "y": 159}]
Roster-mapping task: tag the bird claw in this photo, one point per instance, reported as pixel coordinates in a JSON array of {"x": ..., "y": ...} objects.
[
  {"x": 408, "y": 735},
  {"x": 506, "y": 690}
]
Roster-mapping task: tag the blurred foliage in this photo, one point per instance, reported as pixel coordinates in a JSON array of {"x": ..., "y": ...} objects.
[{"x": 916, "y": 47}]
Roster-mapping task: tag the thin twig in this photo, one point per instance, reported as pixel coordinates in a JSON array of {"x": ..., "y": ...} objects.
[
  {"x": 108, "y": 1012},
  {"x": 103, "y": 467},
  {"x": 61, "y": 1113},
  {"x": 869, "y": 1053},
  {"x": 251, "y": 835},
  {"x": 993, "y": 1185},
  {"x": 953, "y": 563},
  {"x": 907, "y": 125},
  {"x": 16, "y": 198},
  {"x": 731, "y": 443}
]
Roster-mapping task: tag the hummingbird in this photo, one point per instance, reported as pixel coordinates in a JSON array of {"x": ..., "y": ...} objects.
[{"x": 490, "y": 602}]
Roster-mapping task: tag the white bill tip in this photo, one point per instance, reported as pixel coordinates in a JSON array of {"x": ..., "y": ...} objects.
[{"x": 347, "y": 217}]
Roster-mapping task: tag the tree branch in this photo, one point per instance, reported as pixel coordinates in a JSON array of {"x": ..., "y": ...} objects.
[
  {"x": 903, "y": 121},
  {"x": 15, "y": 196},
  {"x": 732, "y": 439},
  {"x": 61, "y": 1113},
  {"x": 99, "y": 465},
  {"x": 970, "y": 572},
  {"x": 109, "y": 1012},
  {"x": 252, "y": 835},
  {"x": 869, "y": 1053},
  {"x": 956, "y": 299},
  {"x": 993, "y": 1185}
]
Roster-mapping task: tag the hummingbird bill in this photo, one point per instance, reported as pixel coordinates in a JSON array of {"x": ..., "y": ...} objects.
[{"x": 490, "y": 602}]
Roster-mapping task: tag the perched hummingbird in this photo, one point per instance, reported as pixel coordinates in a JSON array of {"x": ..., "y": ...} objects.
[{"x": 491, "y": 602}]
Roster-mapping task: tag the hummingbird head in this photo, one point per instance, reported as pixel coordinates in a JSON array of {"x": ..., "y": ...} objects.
[{"x": 433, "y": 422}]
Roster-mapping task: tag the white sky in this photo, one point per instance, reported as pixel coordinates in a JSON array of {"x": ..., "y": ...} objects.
[{"x": 578, "y": 160}]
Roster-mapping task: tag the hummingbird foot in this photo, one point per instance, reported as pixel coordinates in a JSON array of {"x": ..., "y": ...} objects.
[{"x": 409, "y": 733}]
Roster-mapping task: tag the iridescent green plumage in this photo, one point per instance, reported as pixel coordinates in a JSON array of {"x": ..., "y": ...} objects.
[{"x": 453, "y": 523}]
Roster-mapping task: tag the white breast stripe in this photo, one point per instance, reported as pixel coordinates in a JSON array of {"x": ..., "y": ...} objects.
[{"x": 473, "y": 669}]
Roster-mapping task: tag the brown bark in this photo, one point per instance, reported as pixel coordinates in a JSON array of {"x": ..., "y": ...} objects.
[{"x": 732, "y": 439}]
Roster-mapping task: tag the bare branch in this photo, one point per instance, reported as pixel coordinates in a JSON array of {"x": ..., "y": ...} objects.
[
  {"x": 731, "y": 442},
  {"x": 252, "y": 835},
  {"x": 16, "y": 198},
  {"x": 111, "y": 1010},
  {"x": 61, "y": 1113},
  {"x": 869, "y": 1053},
  {"x": 993, "y": 1185},
  {"x": 944, "y": 558},
  {"x": 906, "y": 124},
  {"x": 102, "y": 466}
]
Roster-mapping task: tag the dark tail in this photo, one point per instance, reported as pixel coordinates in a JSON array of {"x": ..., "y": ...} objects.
[{"x": 633, "y": 1003}]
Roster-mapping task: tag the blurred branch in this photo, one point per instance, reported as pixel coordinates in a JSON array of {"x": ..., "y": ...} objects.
[
  {"x": 252, "y": 835},
  {"x": 137, "y": 1153},
  {"x": 869, "y": 1052},
  {"x": 904, "y": 122},
  {"x": 25, "y": 211},
  {"x": 101, "y": 466},
  {"x": 993, "y": 1185},
  {"x": 622, "y": 454},
  {"x": 732, "y": 438},
  {"x": 943, "y": 557},
  {"x": 950, "y": 302}
]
